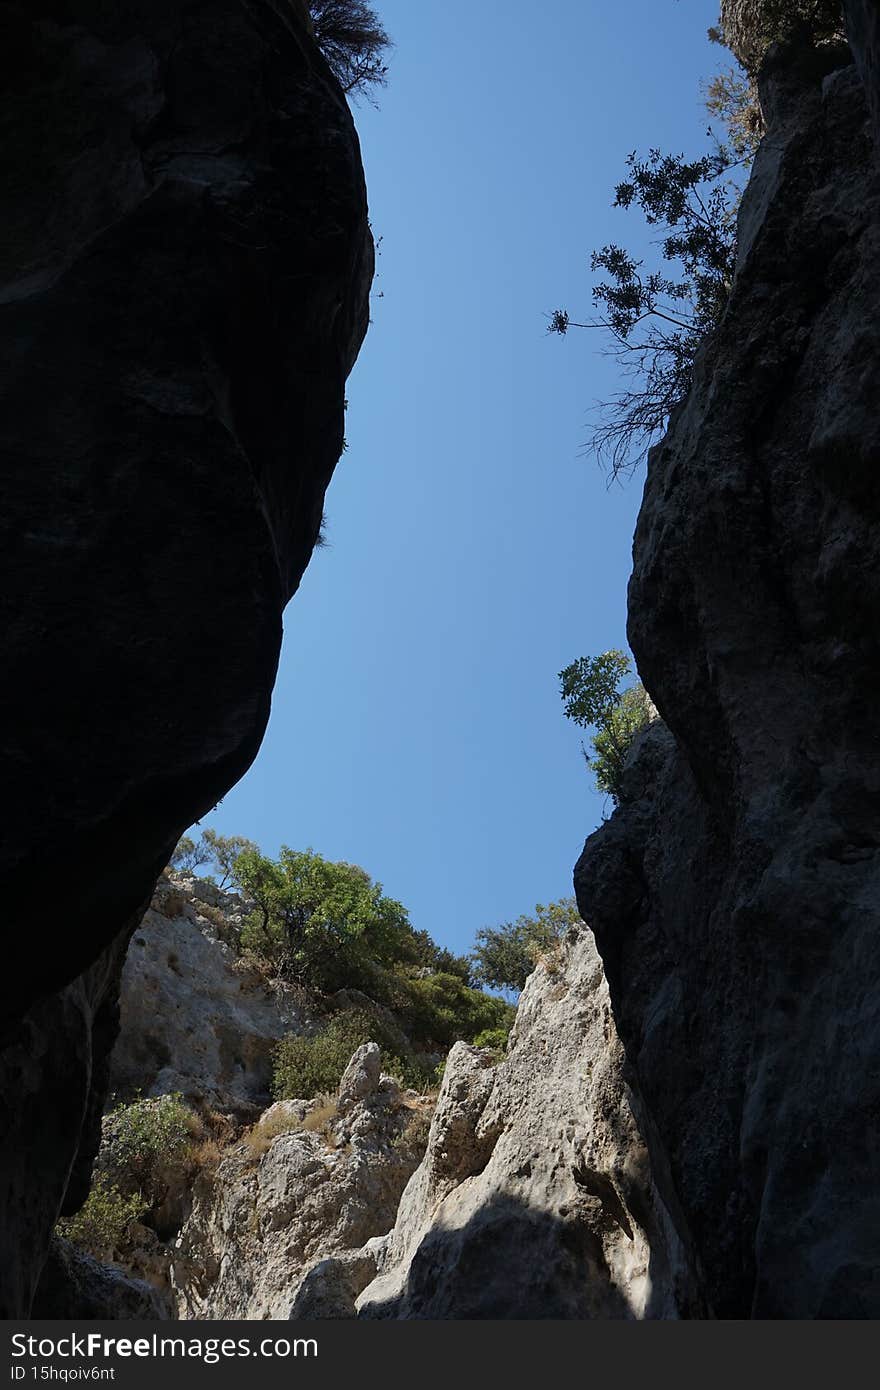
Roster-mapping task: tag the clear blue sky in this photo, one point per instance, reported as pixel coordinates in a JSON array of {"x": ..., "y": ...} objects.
[{"x": 417, "y": 728}]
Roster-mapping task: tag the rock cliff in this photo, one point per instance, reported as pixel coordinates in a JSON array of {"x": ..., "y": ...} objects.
[
  {"x": 193, "y": 1018},
  {"x": 183, "y": 289},
  {"x": 734, "y": 895},
  {"x": 535, "y": 1198},
  {"x": 313, "y": 1181}
]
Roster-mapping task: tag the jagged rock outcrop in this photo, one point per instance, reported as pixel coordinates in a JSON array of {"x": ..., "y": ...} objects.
[
  {"x": 193, "y": 1017},
  {"x": 735, "y": 895},
  {"x": 535, "y": 1197},
  {"x": 750, "y": 26},
  {"x": 183, "y": 289},
  {"x": 312, "y": 1180}
]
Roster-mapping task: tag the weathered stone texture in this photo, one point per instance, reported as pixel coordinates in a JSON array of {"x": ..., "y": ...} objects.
[
  {"x": 184, "y": 274},
  {"x": 535, "y": 1198},
  {"x": 735, "y": 896}
]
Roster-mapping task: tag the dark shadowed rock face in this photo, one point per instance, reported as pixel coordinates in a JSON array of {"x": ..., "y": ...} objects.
[
  {"x": 184, "y": 273},
  {"x": 74, "y": 1286},
  {"x": 735, "y": 896}
]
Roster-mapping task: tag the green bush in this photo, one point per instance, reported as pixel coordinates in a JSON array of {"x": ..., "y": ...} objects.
[
  {"x": 613, "y": 741},
  {"x": 101, "y": 1225},
  {"x": 310, "y": 1066},
  {"x": 143, "y": 1142},
  {"x": 307, "y": 1066},
  {"x": 589, "y": 689},
  {"x": 494, "y": 1040},
  {"x": 438, "y": 1010}
]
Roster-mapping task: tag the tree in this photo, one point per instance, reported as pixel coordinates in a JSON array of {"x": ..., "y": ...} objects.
[
  {"x": 188, "y": 855},
  {"x": 354, "y": 42},
  {"x": 319, "y": 922},
  {"x": 219, "y": 851},
  {"x": 655, "y": 319},
  {"x": 592, "y": 698},
  {"x": 224, "y": 851},
  {"x": 505, "y": 956}
]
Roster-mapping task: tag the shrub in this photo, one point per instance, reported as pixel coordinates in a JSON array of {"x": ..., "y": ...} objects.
[
  {"x": 494, "y": 1040},
  {"x": 305, "y": 1066},
  {"x": 440, "y": 1009},
  {"x": 320, "y": 1118},
  {"x": 102, "y": 1224},
  {"x": 413, "y": 1139},
  {"x": 589, "y": 688},
  {"x": 143, "y": 1143},
  {"x": 260, "y": 1136},
  {"x": 654, "y": 320},
  {"x": 415, "y": 1071}
]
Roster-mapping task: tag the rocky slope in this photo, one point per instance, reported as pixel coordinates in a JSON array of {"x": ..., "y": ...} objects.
[
  {"x": 233, "y": 1224},
  {"x": 535, "y": 1198},
  {"x": 735, "y": 894},
  {"x": 314, "y": 1180},
  {"x": 183, "y": 279},
  {"x": 193, "y": 1018}
]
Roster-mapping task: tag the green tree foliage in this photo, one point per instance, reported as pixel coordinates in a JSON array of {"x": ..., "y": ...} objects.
[
  {"x": 223, "y": 853},
  {"x": 307, "y": 1066},
  {"x": 439, "y": 960},
  {"x": 731, "y": 96},
  {"x": 103, "y": 1222},
  {"x": 325, "y": 924},
  {"x": 591, "y": 686},
  {"x": 494, "y": 1040},
  {"x": 506, "y": 955},
  {"x": 354, "y": 42},
  {"x": 592, "y": 698},
  {"x": 438, "y": 1010},
  {"x": 144, "y": 1142}
]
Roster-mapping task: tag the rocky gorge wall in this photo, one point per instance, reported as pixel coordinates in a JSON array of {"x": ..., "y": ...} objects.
[
  {"x": 184, "y": 284},
  {"x": 735, "y": 895},
  {"x": 535, "y": 1198}
]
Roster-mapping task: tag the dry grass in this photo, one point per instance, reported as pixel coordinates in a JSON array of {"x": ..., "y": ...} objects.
[
  {"x": 205, "y": 1155},
  {"x": 319, "y": 1120},
  {"x": 414, "y": 1138},
  {"x": 170, "y": 904},
  {"x": 260, "y": 1136}
]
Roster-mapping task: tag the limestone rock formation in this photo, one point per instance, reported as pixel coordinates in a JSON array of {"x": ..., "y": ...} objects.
[
  {"x": 535, "y": 1197},
  {"x": 735, "y": 894},
  {"x": 184, "y": 278},
  {"x": 193, "y": 1018},
  {"x": 309, "y": 1182}
]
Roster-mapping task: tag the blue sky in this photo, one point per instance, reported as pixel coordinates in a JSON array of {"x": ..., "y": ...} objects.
[{"x": 474, "y": 550}]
